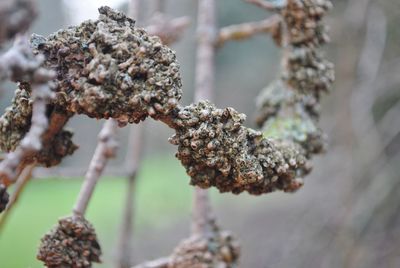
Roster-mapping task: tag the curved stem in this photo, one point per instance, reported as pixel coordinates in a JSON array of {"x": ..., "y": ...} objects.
[{"x": 105, "y": 149}]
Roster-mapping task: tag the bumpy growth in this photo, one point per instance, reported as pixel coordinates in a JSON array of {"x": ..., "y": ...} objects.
[
  {"x": 289, "y": 107},
  {"x": 110, "y": 69},
  {"x": 217, "y": 150},
  {"x": 72, "y": 243},
  {"x": 105, "y": 69},
  {"x": 219, "y": 249}
]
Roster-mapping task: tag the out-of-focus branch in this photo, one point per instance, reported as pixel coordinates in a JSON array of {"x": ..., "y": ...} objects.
[
  {"x": 26, "y": 67},
  {"x": 248, "y": 30},
  {"x": 169, "y": 30},
  {"x": 132, "y": 163},
  {"x": 204, "y": 87},
  {"x": 22, "y": 181},
  {"x": 267, "y": 5},
  {"x": 133, "y": 9},
  {"x": 105, "y": 149},
  {"x": 159, "y": 263},
  {"x": 16, "y": 17}
]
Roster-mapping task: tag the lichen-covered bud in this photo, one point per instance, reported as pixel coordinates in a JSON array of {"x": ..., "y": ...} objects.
[
  {"x": 219, "y": 249},
  {"x": 285, "y": 114},
  {"x": 219, "y": 151},
  {"x": 298, "y": 128},
  {"x": 72, "y": 243},
  {"x": 16, "y": 17},
  {"x": 303, "y": 20},
  {"x": 4, "y": 197},
  {"x": 108, "y": 68},
  {"x": 308, "y": 72}
]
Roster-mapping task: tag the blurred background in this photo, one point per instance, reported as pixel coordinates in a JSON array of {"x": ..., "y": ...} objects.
[{"x": 346, "y": 215}]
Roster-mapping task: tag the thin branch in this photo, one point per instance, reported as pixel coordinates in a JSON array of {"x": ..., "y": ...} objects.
[
  {"x": 133, "y": 9},
  {"x": 267, "y": 5},
  {"x": 169, "y": 30},
  {"x": 248, "y": 30},
  {"x": 159, "y": 263},
  {"x": 22, "y": 181},
  {"x": 27, "y": 66},
  {"x": 132, "y": 162},
  {"x": 105, "y": 149},
  {"x": 160, "y": 5},
  {"x": 204, "y": 86}
]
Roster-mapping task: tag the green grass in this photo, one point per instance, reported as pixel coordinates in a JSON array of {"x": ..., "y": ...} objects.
[{"x": 44, "y": 201}]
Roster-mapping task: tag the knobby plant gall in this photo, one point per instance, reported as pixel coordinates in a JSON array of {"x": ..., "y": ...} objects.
[
  {"x": 110, "y": 69},
  {"x": 217, "y": 249},
  {"x": 289, "y": 107},
  {"x": 72, "y": 243}
]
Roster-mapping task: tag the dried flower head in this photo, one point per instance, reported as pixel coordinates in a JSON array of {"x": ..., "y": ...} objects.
[
  {"x": 72, "y": 243},
  {"x": 219, "y": 249},
  {"x": 217, "y": 150},
  {"x": 108, "y": 68}
]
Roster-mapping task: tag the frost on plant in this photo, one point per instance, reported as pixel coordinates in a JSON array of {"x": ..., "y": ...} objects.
[
  {"x": 72, "y": 243},
  {"x": 218, "y": 249}
]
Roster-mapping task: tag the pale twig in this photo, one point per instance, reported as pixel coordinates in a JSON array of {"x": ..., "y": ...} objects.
[
  {"x": 159, "y": 263},
  {"x": 248, "y": 30},
  {"x": 39, "y": 79},
  {"x": 169, "y": 30},
  {"x": 22, "y": 181},
  {"x": 16, "y": 16},
  {"x": 160, "y": 5},
  {"x": 133, "y": 9},
  {"x": 132, "y": 163},
  {"x": 266, "y": 5},
  {"x": 106, "y": 148},
  {"x": 204, "y": 86}
]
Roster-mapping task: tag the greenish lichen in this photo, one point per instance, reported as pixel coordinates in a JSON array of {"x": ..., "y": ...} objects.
[
  {"x": 72, "y": 243},
  {"x": 287, "y": 115}
]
